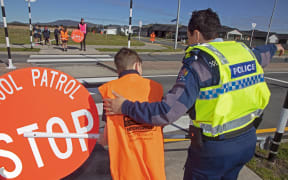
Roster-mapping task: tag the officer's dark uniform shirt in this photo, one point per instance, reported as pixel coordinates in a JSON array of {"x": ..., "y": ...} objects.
[{"x": 198, "y": 71}]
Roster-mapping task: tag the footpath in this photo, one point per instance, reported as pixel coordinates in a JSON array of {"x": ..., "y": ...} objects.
[{"x": 176, "y": 159}]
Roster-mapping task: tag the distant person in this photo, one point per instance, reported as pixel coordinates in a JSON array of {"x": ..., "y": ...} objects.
[
  {"x": 40, "y": 33},
  {"x": 136, "y": 150},
  {"x": 37, "y": 34},
  {"x": 83, "y": 28},
  {"x": 46, "y": 35},
  {"x": 56, "y": 35},
  {"x": 64, "y": 38},
  {"x": 152, "y": 37}
]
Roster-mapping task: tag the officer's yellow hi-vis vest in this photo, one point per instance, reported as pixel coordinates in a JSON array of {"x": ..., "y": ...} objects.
[{"x": 241, "y": 94}]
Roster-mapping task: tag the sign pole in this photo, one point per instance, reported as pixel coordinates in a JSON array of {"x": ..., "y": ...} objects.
[
  {"x": 253, "y": 28},
  {"x": 10, "y": 64}
]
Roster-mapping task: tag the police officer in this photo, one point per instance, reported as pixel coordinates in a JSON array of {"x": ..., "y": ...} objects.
[{"x": 221, "y": 86}]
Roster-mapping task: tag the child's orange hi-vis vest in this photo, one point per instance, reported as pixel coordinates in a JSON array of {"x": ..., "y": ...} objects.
[{"x": 136, "y": 150}]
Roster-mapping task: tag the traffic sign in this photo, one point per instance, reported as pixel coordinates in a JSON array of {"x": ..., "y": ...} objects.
[
  {"x": 77, "y": 35},
  {"x": 35, "y": 100}
]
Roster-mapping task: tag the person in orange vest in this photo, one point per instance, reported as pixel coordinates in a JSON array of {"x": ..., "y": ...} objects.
[
  {"x": 152, "y": 37},
  {"x": 64, "y": 38},
  {"x": 136, "y": 150}
]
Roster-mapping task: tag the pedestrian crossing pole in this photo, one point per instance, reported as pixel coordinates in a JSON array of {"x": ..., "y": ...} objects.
[
  {"x": 130, "y": 22},
  {"x": 30, "y": 23},
  {"x": 10, "y": 65},
  {"x": 280, "y": 131}
]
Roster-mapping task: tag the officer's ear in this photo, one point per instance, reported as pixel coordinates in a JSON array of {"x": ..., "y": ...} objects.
[{"x": 138, "y": 67}]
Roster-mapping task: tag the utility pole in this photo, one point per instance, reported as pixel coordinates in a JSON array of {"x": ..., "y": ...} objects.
[
  {"x": 176, "y": 35},
  {"x": 275, "y": 2}
]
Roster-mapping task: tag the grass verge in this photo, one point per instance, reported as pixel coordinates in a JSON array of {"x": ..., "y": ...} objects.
[
  {"x": 268, "y": 170},
  {"x": 22, "y": 36},
  {"x": 22, "y": 49}
]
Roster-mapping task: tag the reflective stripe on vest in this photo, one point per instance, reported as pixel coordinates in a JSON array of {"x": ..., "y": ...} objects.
[
  {"x": 216, "y": 52},
  {"x": 207, "y": 128},
  {"x": 231, "y": 86}
]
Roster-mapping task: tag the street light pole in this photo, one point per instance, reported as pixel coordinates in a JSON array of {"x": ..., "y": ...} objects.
[
  {"x": 176, "y": 35},
  {"x": 275, "y": 2},
  {"x": 140, "y": 26}
]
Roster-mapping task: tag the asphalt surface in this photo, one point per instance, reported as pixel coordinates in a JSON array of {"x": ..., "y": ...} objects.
[{"x": 97, "y": 166}]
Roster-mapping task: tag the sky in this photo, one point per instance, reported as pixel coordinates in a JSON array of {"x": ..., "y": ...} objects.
[{"x": 234, "y": 13}]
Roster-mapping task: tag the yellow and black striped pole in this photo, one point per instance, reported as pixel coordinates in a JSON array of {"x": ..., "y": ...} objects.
[
  {"x": 30, "y": 23},
  {"x": 280, "y": 131},
  {"x": 130, "y": 24},
  {"x": 10, "y": 64}
]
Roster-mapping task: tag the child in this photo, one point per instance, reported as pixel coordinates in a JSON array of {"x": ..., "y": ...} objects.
[
  {"x": 64, "y": 38},
  {"x": 136, "y": 150}
]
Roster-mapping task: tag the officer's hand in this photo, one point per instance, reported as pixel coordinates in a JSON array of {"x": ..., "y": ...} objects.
[
  {"x": 113, "y": 106},
  {"x": 280, "y": 49}
]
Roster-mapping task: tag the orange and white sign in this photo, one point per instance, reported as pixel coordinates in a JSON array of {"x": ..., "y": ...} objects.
[
  {"x": 44, "y": 100},
  {"x": 77, "y": 35}
]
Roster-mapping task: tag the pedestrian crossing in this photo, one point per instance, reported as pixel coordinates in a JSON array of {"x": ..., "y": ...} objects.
[{"x": 48, "y": 58}]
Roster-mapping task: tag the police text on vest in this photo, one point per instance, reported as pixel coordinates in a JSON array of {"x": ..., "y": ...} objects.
[{"x": 241, "y": 69}]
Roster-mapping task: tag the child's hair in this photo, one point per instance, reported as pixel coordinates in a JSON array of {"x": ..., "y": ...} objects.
[
  {"x": 125, "y": 58},
  {"x": 65, "y": 29}
]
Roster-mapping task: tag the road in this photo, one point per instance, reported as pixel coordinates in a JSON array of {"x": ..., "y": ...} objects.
[
  {"x": 97, "y": 165},
  {"x": 271, "y": 114}
]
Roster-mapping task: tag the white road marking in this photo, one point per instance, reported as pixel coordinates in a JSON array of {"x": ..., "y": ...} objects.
[
  {"x": 276, "y": 72},
  {"x": 285, "y": 82},
  {"x": 96, "y": 80},
  {"x": 68, "y": 60},
  {"x": 69, "y": 56},
  {"x": 182, "y": 123},
  {"x": 106, "y": 79}
]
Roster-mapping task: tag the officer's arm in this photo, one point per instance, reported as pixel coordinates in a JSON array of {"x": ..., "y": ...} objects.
[
  {"x": 173, "y": 105},
  {"x": 265, "y": 53}
]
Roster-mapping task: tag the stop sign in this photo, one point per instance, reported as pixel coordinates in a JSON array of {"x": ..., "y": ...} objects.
[
  {"x": 77, "y": 35},
  {"x": 50, "y": 101}
]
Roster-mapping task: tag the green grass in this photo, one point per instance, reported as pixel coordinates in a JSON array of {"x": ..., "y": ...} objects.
[
  {"x": 20, "y": 36},
  {"x": 109, "y": 40},
  {"x": 268, "y": 170},
  {"x": 16, "y": 36},
  {"x": 22, "y": 49}
]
